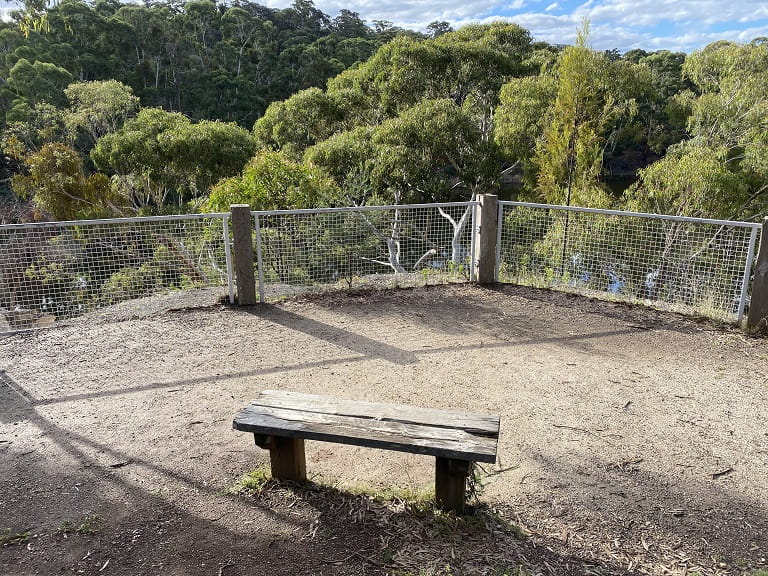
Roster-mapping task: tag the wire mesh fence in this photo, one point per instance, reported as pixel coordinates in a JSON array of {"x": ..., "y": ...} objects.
[
  {"x": 319, "y": 250},
  {"x": 54, "y": 271},
  {"x": 693, "y": 265}
]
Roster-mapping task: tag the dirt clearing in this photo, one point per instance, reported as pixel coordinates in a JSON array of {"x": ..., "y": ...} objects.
[{"x": 632, "y": 441}]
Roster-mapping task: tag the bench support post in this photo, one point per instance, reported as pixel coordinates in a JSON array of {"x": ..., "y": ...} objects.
[
  {"x": 286, "y": 456},
  {"x": 451, "y": 483}
]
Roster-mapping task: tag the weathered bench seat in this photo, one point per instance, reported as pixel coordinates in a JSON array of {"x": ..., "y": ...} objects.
[{"x": 280, "y": 421}]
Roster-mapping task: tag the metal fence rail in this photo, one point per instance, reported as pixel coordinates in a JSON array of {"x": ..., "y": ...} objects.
[
  {"x": 381, "y": 246},
  {"x": 686, "y": 263},
  {"x": 57, "y": 270}
]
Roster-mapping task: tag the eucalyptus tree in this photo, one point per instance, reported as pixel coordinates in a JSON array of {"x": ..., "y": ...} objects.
[
  {"x": 273, "y": 181},
  {"x": 161, "y": 158},
  {"x": 57, "y": 184},
  {"x": 466, "y": 67},
  {"x": 728, "y": 140},
  {"x": 98, "y": 108},
  {"x": 558, "y": 124}
]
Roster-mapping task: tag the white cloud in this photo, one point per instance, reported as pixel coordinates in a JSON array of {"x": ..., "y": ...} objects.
[
  {"x": 409, "y": 13},
  {"x": 624, "y": 24}
]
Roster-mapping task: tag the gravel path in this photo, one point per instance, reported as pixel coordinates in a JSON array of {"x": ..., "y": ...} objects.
[{"x": 632, "y": 441}]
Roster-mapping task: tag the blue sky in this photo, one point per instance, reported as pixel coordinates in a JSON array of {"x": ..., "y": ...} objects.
[{"x": 682, "y": 25}]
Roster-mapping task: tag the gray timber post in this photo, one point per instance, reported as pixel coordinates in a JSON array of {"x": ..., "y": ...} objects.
[
  {"x": 451, "y": 483},
  {"x": 242, "y": 229},
  {"x": 486, "y": 234},
  {"x": 758, "y": 306}
]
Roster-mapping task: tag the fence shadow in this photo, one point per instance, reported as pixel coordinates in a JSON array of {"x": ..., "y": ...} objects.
[
  {"x": 354, "y": 342},
  {"x": 55, "y": 491}
]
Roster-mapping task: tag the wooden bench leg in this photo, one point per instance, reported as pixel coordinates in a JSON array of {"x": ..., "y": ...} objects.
[
  {"x": 451, "y": 483},
  {"x": 286, "y": 456}
]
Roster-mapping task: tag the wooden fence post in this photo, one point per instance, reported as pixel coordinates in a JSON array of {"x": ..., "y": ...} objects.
[
  {"x": 758, "y": 306},
  {"x": 486, "y": 226},
  {"x": 242, "y": 228}
]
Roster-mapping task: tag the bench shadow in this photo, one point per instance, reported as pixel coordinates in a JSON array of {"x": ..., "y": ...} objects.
[
  {"x": 320, "y": 531},
  {"x": 409, "y": 535},
  {"x": 138, "y": 531}
]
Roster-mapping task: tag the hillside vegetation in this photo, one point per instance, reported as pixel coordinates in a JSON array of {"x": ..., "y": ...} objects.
[{"x": 113, "y": 108}]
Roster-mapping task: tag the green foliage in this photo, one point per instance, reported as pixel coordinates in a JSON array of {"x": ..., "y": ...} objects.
[
  {"x": 415, "y": 118},
  {"x": 90, "y": 524},
  {"x": 10, "y": 537},
  {"x": 272, "y": 181},
  {"x": 522, "y": 117},
  {"x": 414, "y": 156},
  {"x": 58, "y": 186},
  {"x": 418, "y": 118},
  {"x": 33, "y": 82},
  {"x": 346, "y": 240},
  {"x": 304, "y": 119},
  {"x": 589, "y": 102},
  {"x": 99, "y": 107},
  {"x": 136, "y": 147},
  {"x": 692, "y": 180},
  {"x": 30, "y": 128},
  {"x": 161, "y": 157},
  {"x": 159, "y": 273},
  {"x": 346, "y": 154},
  {"x": 204, "y": 152},
  {"x": 721, "y": 171},
  {"x": 416, "y": 150},
  {"x": 254, "y": 482},
  {"x": 210, "y": 62}
]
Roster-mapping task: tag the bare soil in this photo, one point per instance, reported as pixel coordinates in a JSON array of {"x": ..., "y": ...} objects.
[{"x": 632, "y": 441}]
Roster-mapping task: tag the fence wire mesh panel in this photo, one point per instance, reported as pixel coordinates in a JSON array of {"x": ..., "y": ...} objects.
[
  {"x": 54, "y": 271},
  {"x": 321, "y": 250},
  {"x": 682, "y": 264}
]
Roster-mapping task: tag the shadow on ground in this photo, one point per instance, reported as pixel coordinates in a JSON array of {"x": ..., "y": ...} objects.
[
  {"x": 85, "y": 517},
  {"x": 625, "y": 519}
]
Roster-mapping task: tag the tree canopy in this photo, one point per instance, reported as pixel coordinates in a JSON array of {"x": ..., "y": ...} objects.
[{"x": 114, "y": 107}]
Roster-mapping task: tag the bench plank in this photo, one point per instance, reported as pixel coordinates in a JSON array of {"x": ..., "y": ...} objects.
[
  {"x": 384, "y": 426},
  {"x": 401, "y": 428},
  {"x": 478, "y": 424}
]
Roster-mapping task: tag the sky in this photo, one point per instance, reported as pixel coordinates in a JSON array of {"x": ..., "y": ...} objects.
[{"x": 678, "y": 25}]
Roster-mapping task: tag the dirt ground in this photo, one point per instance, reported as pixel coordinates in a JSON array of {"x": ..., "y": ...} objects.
[{"x": 632, "y": 441}]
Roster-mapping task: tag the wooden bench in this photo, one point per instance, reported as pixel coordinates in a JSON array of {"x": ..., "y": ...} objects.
[{"x": 280, "y": 422}]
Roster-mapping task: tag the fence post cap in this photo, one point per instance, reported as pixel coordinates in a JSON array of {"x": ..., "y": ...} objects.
[{"x": 233, "y": 206}]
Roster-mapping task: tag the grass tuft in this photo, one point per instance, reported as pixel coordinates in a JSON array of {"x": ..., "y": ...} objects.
[
  {"x": 10, "y": 537},
  {"x": 90, "y": 524},
  {"x": 254, "y": 482}
]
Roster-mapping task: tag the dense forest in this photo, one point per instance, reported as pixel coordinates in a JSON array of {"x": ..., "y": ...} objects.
[{"x": 117, "y": 109}]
